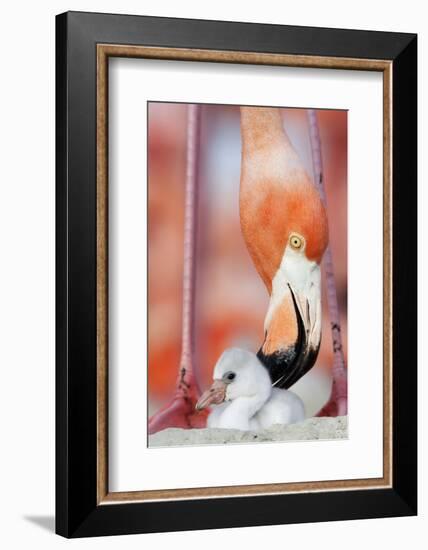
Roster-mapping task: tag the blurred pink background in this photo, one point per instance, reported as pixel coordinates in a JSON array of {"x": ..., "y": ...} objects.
[{"x": 231, "y": 298}]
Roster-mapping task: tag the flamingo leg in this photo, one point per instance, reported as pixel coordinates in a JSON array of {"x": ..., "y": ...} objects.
[
  {"x": 181, "y": 412},
  {"x": 337, "y": 404}
]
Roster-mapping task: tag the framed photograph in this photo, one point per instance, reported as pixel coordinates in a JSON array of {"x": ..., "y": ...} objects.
[{"x": 236, "y": 274}]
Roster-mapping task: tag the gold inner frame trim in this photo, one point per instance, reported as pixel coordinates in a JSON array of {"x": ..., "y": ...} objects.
[{"x": 104, "y": 51}]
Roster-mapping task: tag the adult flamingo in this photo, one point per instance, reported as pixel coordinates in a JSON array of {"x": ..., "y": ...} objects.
[
  {"x": 284, "y": 224},
  {"x": 285, "y": 228}
]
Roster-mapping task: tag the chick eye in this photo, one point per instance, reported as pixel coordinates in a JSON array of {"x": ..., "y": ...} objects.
[
  {"x": 229, "y": 376},
  {"x": 296, "y": 241}
]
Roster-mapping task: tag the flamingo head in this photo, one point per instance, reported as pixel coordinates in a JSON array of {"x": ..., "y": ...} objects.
[{"x": 286, "y": 232}]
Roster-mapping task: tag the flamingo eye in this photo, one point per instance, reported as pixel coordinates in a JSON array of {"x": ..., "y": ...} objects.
[
  {"x": 296, "y": 241},
  {"x": 229, "y": 376}
]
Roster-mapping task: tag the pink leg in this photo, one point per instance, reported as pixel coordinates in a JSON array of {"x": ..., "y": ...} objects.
[
  {"x": 180, "y": 412},
  {"x": 337, "y": 405}
]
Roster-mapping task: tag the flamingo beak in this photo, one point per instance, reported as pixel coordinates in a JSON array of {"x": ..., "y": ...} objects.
[
  {"x": 287, "y": 363},
  {"x": 308, "y": 312},
  {"x": 215, "y": 395}
]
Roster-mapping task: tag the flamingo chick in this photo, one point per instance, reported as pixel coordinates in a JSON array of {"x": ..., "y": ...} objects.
[
  {"x": 244, "y": 397},
  {"x": 284, "y": 225}
]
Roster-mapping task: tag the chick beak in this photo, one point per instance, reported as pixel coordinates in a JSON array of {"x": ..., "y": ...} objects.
[{"x": 214, "y": 395}]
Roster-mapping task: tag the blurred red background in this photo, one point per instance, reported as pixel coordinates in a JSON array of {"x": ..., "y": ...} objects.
[{"x": 231, "y": 298}]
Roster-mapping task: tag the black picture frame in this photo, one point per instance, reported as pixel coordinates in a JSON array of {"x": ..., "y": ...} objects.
[{"x": 77, "y": 512}]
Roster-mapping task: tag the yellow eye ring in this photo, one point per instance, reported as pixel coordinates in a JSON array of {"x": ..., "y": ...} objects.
[{"x": 296, "y": 241}]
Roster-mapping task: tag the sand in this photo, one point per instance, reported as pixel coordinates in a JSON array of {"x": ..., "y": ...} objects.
[{"x": 309, "y": 429}]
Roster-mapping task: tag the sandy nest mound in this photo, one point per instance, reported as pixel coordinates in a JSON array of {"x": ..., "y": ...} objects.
[{"x": 309, "y": 429}]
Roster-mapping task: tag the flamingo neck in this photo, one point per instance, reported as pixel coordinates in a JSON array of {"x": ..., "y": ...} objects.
[
  {"x": 267, "y": 152},
  {"x": 261, "y": 128}
]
